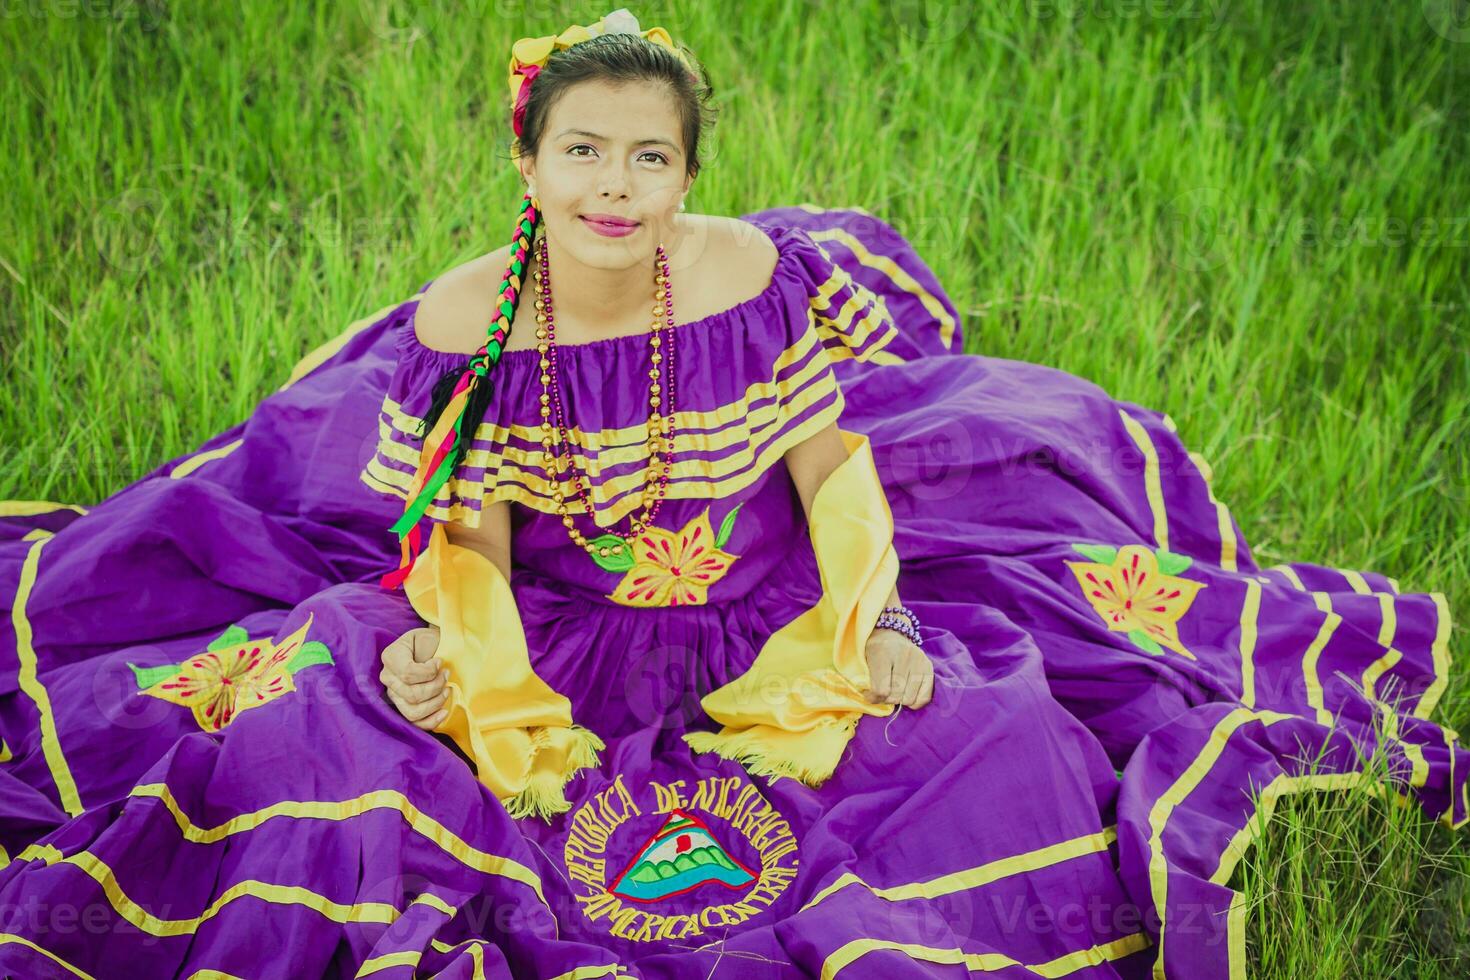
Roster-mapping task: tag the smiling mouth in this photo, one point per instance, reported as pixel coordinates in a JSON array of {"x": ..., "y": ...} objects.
[{"x": 610, "y": 222}]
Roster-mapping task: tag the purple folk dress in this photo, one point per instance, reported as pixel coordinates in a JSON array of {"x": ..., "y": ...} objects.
[{"x": 200, "y": 775}]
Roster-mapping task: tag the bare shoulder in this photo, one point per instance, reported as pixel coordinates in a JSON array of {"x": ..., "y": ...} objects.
[
  {"x": 744, "y": 254},
  {"x": 736, "y": 263},
  {"x": 452, "y": 313}
]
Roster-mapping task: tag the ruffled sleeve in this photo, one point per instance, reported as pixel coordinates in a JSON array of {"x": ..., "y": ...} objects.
[
  {"x": 850, "y": 320},
  {"x": 815, "y": 316},
  {"x": 391, "y": 467}
]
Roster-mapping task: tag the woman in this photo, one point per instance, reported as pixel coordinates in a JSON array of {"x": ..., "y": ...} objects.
[{"x": 778, "y": 638}]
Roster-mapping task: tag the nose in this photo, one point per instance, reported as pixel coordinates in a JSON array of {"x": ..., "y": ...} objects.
[{"x": 612, "y": 180}]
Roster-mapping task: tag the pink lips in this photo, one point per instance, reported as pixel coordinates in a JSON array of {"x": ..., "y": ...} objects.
[{"x": 610, "y": 225}]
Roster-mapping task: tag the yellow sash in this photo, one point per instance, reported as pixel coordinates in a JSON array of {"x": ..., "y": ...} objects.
[
  {"x": 518, "y": 731},
  {"x": 794, "y": 711}
]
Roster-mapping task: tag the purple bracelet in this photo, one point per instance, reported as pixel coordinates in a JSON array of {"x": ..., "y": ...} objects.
[{"x": 901, "y": 619}]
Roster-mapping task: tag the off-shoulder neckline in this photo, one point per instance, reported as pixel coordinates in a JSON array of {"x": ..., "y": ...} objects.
[{"x": 779, "y": 236}]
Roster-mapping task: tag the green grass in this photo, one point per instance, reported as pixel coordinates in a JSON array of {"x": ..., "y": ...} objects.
[{"x": 1252, "y": 215}]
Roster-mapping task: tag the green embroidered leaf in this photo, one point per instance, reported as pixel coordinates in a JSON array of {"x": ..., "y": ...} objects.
[
  {"x": 613, "y": 563},
  {"x": 312, "y": 652},
  {"x": 1145, "y": 642},
  {"x": 233, "y": 636},
  {"x": 1097, "y": 552},
  {"x": 1171, "y": 563},
  {"x": 148, "y": 676},
  {"x": 727, "y": 525}
]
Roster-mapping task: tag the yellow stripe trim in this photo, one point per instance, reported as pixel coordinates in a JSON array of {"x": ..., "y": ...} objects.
[
  {"x": 1153, "y": 484},
  {"x": 621, "y": 444},
  {"x": 1315, "y": 697},
  {"x": 1419, "y": 775},
  {"x": 376, "y": 964},
  {"x": 697, "y": 478},
  {"x": 1290, "y": 575},
  {"x": 1439, "y": 652},
  {"x": 1284, "y": 785},
  {"x": 1235, "y": 851},
  {"x": 987, "y": 962},
  {"x": 1163, "y": 807},
  {"x": 30, "y": 508},
  {"x": 589, "y": 972},
  {"x": 853, "y": 336},
  {"x": 193, "y": 463},
  {"x": 383, "y": 799},
  {"x": 141, "y": 918},
  {"x": 1387, "y": 629},
  {"x": 1250, "y": 614},
  {"x": 10, "y": 937},
  {"x": 1041, "y": 857},
  {"x": 29, "y": 681},
  {"x": 901, "y": 279},
  {"x": 1229, "y": 545}
]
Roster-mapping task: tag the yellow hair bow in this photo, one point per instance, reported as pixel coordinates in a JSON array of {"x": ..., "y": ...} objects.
[{"x": 530, "y": 54}]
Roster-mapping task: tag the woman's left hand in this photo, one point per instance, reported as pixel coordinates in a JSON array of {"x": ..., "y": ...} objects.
[{"x": 901, "y": 672}]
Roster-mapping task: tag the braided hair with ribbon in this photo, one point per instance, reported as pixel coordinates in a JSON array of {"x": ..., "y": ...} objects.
[{"x": 542, "y": 69}]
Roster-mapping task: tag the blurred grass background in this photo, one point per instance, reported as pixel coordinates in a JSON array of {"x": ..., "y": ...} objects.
[{"x": 1254, "y": 216}]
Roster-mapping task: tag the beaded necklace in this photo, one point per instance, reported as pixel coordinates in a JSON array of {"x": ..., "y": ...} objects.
[{"x": 609, "y": 545}]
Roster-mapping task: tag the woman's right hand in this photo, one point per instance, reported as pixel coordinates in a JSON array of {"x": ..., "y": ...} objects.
[{"x": 415, "y": 679}]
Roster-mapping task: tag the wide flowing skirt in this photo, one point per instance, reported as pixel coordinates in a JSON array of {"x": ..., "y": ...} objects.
[{"x": 200, "y": 774}]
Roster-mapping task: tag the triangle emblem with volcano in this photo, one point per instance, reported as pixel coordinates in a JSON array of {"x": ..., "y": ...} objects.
[{"x": 680, "y": 857}]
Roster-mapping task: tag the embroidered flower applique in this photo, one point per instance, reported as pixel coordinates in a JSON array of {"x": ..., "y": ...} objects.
[
  {"x": 234, "y": 674},
  {"x": 1136, "y": 591},
  {"x": 672, "y": 568}
]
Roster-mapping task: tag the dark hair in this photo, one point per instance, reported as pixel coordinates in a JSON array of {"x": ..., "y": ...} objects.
[
  {"x": 620, "y": 58},
  {"x": 615, "y": 58}
]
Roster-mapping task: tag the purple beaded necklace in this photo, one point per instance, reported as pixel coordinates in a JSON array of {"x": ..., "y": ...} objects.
[{"x": 610, "y": 545}]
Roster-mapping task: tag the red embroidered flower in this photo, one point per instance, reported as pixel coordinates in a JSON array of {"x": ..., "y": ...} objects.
[
  {"x": 1135, "y": 594},
  {"x": 674, "y": 568},
  {"x": 236, "y": 673}
]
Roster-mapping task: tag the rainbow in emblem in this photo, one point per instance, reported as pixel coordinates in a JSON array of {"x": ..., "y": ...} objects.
[{"x": 679, "y": 858}]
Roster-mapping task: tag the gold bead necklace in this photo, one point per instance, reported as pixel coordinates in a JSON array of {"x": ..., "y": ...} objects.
[{"x": 612, "y": 544}]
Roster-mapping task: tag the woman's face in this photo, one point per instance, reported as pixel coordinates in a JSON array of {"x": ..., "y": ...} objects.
[{"x": 610, "y": 150}]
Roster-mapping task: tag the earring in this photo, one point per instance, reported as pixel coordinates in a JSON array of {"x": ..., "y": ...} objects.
[{"x": 681, "y": 204}]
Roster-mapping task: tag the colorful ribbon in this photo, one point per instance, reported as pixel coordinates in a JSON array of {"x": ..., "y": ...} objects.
[{"x": 530, "y": 54}]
